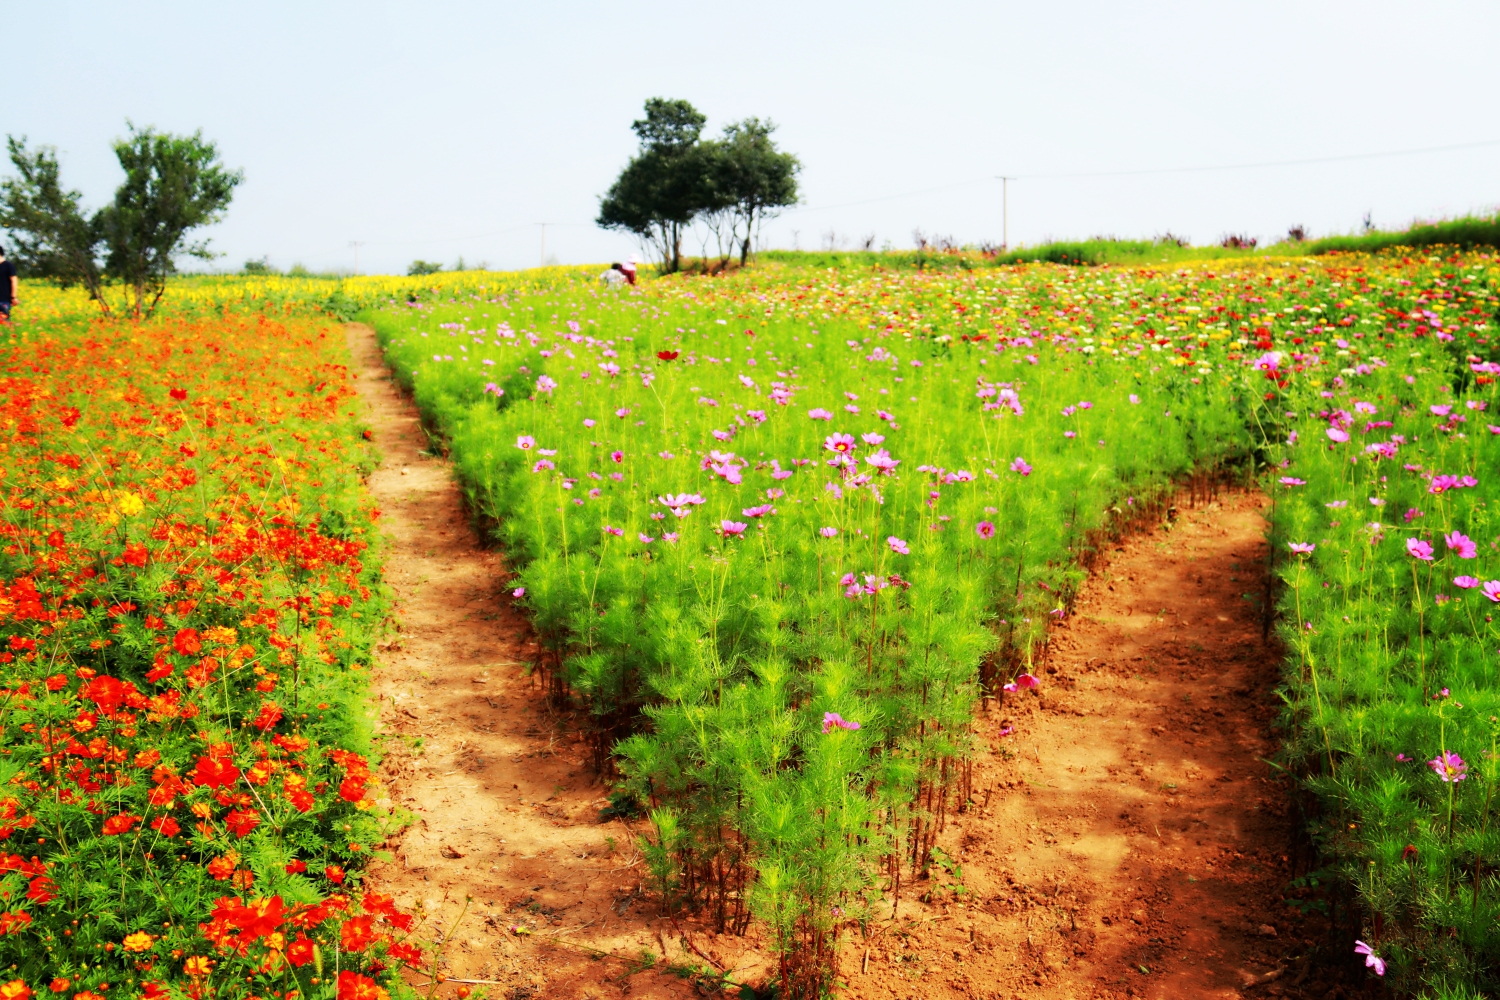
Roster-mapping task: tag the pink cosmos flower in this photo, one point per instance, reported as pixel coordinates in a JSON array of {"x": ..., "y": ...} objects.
[
  {"x": 588, "y": 422},
  {"x": 759, "y": 416},
  {"x": 1023, "y": 681},
  {"x": 490, "y": 387},
  {"x": 840, "y": 443},
  {"x": 759, "y": 511},
  {"x": 546, "y": 383},
  {"x": 819, "y": 414},
  {"x": 1492, "y": 590},
  {"x": 1134, "y": 399},
  {"x": 1461, "y": 544},
  {"x": 1466, "y": 582},
  {"x": 618, "y": 456},
  {"x": 1450, "y": 767},
  {"x": 872, "y": 438},
  {"x": 1020, "y": 465},
  {"x": 898, "y": 546},
  {"x": 1372, "y": 960},
  {"x": 542, "y": 465},
  {"x": 1418, "y": 549},
  {"x": 1302, "y": 548},
  {"x": 732, "y": 529},
  {"x": 984, "y": 529},
  {"x": 518, "y": 592},
  {"x": 645, "y": 539},
  {"x": 1336, "y": 435},
  {"x": 526, "y": 442},
  {"x": 883, "y": 415},
  {"x": 832, "y": 721},
  {"x": 623, "y": 412},
  {"x": 1440, "y": 409},
  {"x": 670, "y": 536},
  {"x": 1290, "y": 481},
  {"x": 883, "y": 461},
  {"x": 611, "y": 530}
]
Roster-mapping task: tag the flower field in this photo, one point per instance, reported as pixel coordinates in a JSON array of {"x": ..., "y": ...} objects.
[
  {"x": 188, "y": 596},
  {"x": 782, "y": 533}
]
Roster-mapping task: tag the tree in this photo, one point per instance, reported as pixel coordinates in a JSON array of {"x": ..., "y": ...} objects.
[
  {"x": 751, "y": 179},
  {"x": 421, "y": 267},
  {"x": 173, "y": 185},
  {"x": 52, "y": 239},
  {"x": 664, "y": 187}
]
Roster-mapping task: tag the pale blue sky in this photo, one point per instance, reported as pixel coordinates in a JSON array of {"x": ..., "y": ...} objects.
[{"x": 438, "y": 129}]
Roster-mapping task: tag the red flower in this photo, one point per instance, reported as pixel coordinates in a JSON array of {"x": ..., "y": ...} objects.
[
  {"x": 116, "y": 825},
  {"x": 57, "y": 682},
  {"x": 334, "y": 874},
  {"x": 270, "y": 714},
  {"x": 55, "y": 539},
  {"x": 40, "y": 891},
  {"x": 296, "y": 866},
  {"x": 13, "y": 921},
  {"x": 135, "y": 555},
  {"x": 352, "y": 788},
  {"x": 241, "y": 823},
  {"x": 300, "y": 951},
  {"x": 17, "y": 989},
  {"x": 106, "y": 692},
  {"x": 353, "y": 986},
  {"x": 215, "y": 772},
  {"x": 178, "y": 394},
  {"x": 259, "y": 919},
  {"x": 166, "y": 826},
  {"x": 222, "y": 867},
  {"x": 357, "y": 933},
  {"x": 667, "y": 355},
  {"x": 407, "y": 953},
  {"x": 187, "y": 642}
]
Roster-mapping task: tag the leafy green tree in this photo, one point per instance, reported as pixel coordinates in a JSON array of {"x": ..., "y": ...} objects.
[
  {"x": 420, "y": 267},
  {"x": 173, "y": 185},
  {"x": 751, "y": 180},
  {"x": 664, "y": 187},
  {"x": 52, "y": 238}
]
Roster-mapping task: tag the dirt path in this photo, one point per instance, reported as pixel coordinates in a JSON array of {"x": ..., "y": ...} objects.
[
  {"x": 1130, "y": 841},
  {"x": 1134, "y": 844},
  {"x": 505, "y": 812}
]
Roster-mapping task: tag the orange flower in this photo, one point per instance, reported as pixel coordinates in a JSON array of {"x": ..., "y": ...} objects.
[
  {"x": 353, "y": 986},
  {"x": 300, "y": 951},
  {"x": 197, "y": 966},
  {"x": 223, "y": 866},
  {"x": 139, "y": 941},
  {"x": 116, "y": 825},
  {"x": 357, "y": 933},
  {"x": 16, "y": 989}
]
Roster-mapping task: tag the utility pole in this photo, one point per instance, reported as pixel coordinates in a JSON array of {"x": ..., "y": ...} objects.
[
  {"x": 1005, "y": 210},
  {"x": 356, "y": 244}
]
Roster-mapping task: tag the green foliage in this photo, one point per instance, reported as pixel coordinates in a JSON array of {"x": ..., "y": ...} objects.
[
  {"x": 420, "y": 267},
  {"x": 1467, "y": 233},
  {"x": 52, "y": 239}
]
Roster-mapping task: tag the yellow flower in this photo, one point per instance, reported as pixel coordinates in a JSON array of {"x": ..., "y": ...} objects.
[
  {"x": 130, "y": 504},
  {"x": 139, "y": 941},
  {"x": 198, "y": 965},
  {"x": 221, "y": 634}
]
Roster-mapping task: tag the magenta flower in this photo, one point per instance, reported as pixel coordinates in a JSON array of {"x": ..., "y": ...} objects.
[
  {"x": 898, "y": 546},
  {"x": 819, "y": 414},
  {"x": 518, "y": 592},
  {"x": 543, "y": 465},
  {"x": 1337, "y": 435},
  {"x": 1440, "y": 409},
  {"x": 1134, "y": 399},
  {"x": 670, "y": 536},
  {"x": 526, "y": 442},
  {"x": 1290, "y": 481},
  {"x": 490, "y": 387},
  {"x": 984, "y": 529},
  {"x": 828, "y": 532},
  {"x": 1023, "y": 681},
  {"x": 1450, "y": 767},
  {"x": 1372, "y": 960},
  {"x": 1466, "y": 582},
  {"x": 623, "y": 412},
  {"x": 546, "y": 383},
  {"x": 1492, "y": 590},
  {"x": 883, "y": 461},
  {"x": 1461, "y": 544},
  {"x": 832, "y": 721},
  {"x": 730, "y": 529},
  {"x": 841, "y": 443},
  {"x": 645, "y": 538},
  {"x": 872, "y": 438},
  {"x": 618, "y": 456},
  {"x": 1302, "y": 548},
  {"x": 1418, "y": 549},
  {"x": 1019, "y": 465},
  {"x": 760, "y": 510}
]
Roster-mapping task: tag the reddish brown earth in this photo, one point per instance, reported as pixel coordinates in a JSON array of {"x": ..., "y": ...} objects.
[{"x": 1127, "y": 839}]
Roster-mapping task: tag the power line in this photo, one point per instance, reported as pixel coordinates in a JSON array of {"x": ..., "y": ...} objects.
[{"x": 1160, "y": 170}]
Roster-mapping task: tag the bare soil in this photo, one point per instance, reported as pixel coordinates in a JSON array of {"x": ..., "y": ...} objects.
[{"x": 1125, "y": 839}]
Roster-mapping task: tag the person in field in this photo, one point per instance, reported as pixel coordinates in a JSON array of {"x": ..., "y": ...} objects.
[
  {"x": 615, "y": 276},
  {"x": 629, "y": 269},
  {"x": 10, "y": 287}
]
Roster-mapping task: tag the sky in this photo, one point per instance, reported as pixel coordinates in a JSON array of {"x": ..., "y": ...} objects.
[{"x": 444, "y": 130}]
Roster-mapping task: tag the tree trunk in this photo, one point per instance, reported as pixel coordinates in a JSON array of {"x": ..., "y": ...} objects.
[{"x": 749, "y": 232}]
